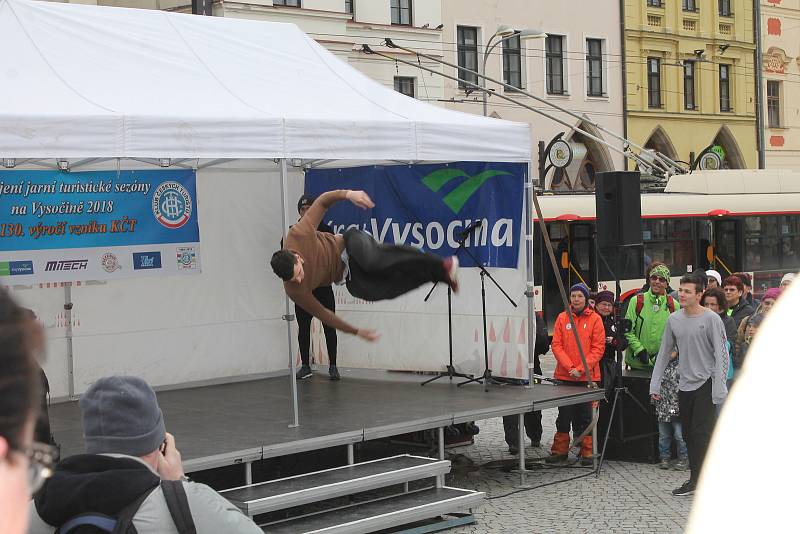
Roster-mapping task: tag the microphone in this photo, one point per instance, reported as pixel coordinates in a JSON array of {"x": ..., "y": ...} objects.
[{"x": 471, "y": 228}]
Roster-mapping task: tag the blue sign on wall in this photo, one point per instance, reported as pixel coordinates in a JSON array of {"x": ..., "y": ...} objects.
[
  {"x": 58, "y": 210},
  {"x": 429, "y": 206}
]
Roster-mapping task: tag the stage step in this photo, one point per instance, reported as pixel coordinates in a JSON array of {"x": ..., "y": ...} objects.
[
  {"x": 331, "y": 483},
  {"x": 385, "y": 513}
]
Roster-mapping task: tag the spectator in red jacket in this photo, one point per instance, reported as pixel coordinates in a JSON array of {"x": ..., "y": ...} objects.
[{"x": 589, "y": 326}]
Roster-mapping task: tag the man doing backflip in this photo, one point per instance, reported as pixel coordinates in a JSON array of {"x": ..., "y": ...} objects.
[{"x": 372, "y": 271}]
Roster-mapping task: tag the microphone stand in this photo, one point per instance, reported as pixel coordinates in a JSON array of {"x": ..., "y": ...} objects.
[
  {"x": 487, "y": 373},
  {"x": 451, "y": 371}
]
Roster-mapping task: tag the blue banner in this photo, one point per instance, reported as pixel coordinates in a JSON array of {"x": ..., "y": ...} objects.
[
  {"x": 430, "y": 206},
  {"x": 42, "y": 210}
]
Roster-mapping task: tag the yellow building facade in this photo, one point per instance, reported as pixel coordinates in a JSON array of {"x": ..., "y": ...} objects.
[{"x": 690, "y": 78}]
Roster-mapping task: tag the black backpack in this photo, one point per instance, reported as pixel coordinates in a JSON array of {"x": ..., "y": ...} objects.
[{"x": 177, "y": 503}]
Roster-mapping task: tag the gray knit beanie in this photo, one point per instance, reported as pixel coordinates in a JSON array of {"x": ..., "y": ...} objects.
[{"x": 121, "y": 415}]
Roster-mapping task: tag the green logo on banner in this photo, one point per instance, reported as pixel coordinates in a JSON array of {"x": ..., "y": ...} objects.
[
  {"x": 5, "y": 268},
  {"x": 459, "y": 196}
]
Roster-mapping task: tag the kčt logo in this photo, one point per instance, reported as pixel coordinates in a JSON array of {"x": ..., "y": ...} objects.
[
  {"x": 146, "y": 260},
  {"x": 66, "y": 265},
  {"x": 459, "y": 196},
  {"x": 172, "y": 205}
]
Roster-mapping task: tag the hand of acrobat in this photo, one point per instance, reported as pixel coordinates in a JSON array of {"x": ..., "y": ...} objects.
[
  {"x": 360, "y": 199},
  {"x": 170, "y": 466},
  {"x": 368, "y": 335}
]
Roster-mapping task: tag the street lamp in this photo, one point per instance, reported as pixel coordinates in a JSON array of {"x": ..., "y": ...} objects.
[{"x": 505, "y": 33}]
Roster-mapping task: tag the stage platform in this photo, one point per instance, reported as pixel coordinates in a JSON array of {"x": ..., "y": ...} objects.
[{"x": 228, "y": 424}]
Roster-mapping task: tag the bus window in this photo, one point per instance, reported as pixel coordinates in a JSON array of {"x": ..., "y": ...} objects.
[
  {"x": 669, "y": 241},
  {"x": 727, "y": 255},
  {"x": 704, "y": 251},
  {"x": 790, "y": 241},
  {"x": 761, "y": 245}
]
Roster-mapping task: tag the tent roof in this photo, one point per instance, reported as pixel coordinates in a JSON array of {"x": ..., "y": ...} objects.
[{"x": 88, "y": 81}]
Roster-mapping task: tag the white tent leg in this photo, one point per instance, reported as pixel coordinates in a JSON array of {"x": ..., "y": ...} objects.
[
  {"x": 68, "y": 335},
  {"x": 289, "y": 317},
  {"x": 529, "y": 272}
]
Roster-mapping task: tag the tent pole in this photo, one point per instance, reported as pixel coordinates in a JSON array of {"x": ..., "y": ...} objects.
[
  {"x": 529, "y": 284},
  {"x": 68, "y": 335},
  {"x": 288, "y": 317}
]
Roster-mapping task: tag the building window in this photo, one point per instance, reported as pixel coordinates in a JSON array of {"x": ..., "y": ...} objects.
[
  {"x": 725, "y": 8},
  {"x": 689, "y": 5},
  {"x": 653, "y": 82},
  {"x": 290, "y": 3},
  {"x": 670, "y": 241},
  {"x": 401, "y": 12},
  {"x": 774, "y": 103},
  {"x": 555, "y": 64},
  {"x": 654, "y": 3},
  {"x": 467, "y": 37},
  {"x": 512, "y": 62},
  {"x": 594, "y": 67},
  {"x": 724, "y": 88},
  {"x": 348, "y": 6},
  {"x": 404, "y": 85},
  {"x": 688, "y": 85}
]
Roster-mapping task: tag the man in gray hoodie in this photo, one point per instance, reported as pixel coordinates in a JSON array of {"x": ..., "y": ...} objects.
[
  {"x": 699, "y": 335},
  {"x": 129, "y": 455}
]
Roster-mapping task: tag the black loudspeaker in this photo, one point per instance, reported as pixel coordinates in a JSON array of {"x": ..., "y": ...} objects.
[
  {"x": 619, "y": 209},
  {"x": 634, "y": 430}
]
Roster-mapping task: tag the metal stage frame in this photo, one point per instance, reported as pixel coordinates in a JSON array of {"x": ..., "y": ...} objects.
[{"x": 240, "y": 423}]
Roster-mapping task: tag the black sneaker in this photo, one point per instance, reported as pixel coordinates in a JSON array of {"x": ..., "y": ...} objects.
[
  {"x": 513, "y": 451},
  {"x": 304, "y": 372},
  {"x": 587, "y": 461},
  {"x": 333, "y": 373},
  {"x": 556, "y": 458},
  {"x": 536, "y": 444},
  {"x": 687, "y": 489}
]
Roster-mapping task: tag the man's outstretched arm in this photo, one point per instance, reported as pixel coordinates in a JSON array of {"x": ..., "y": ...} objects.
[
  {"x": 316, "y": 212},
  {"x": 310, "y": 304}
]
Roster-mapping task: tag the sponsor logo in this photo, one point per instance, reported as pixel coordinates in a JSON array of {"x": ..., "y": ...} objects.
[
  {"x": 146, "y": 260},
  {"x": 459, "y": 196},
  {"x": 15, "y": 268},
  {"x": 187, "y": 258},
  {"x": 172, "y": 205},
  {"x": 109, "y": 262},
  {"x": 66, "y": 265}
]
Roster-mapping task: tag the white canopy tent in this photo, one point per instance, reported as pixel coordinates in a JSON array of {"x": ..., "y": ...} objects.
[{"x": 98, "y": 82}]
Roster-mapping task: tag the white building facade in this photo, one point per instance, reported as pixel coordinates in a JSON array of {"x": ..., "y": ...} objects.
[{"x": 578, "y": 67}]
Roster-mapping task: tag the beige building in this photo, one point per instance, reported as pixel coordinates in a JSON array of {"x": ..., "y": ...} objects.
[
  {"x": 342, "y": 26},
  {"x": 577, "y": 67},
  {"x": 780, "y": 31}
]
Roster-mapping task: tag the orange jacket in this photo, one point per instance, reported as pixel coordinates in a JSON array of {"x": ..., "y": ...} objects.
[{"x": 593, "y": 340}]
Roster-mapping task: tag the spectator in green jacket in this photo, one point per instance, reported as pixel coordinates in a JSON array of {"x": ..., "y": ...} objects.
[{"x": 648, "y": 313}]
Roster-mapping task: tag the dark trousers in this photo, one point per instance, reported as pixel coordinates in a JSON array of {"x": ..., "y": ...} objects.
[
  {"x": 325, "y": 296},
  {"x": 532, "y": 420},
  {"x": 533, "y": 428},
  {"x": 379, "y": 272},
  {"x": 578, "y": 416},
  {"x": 698, "y": 416}
]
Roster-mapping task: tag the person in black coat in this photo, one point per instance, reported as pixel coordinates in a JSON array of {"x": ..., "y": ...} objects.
[
  {"x": 533, "y": 420},
  {"x": 615, "y": 341}
]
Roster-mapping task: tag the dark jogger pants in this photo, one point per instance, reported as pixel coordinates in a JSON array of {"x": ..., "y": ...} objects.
[
  {"x": 576, "y": 415},
  {"x": 324, "y": 295},
  {"x": 379, "y": 272},
  {"x": 698, "y": 416}
]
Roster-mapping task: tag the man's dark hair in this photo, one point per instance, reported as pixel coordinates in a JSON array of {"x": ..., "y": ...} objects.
[
  {"x": 282, "y": 263},
  {"x": 733, "y": 281},
  {"x": 745, "y": 278},
  {"x": 19, "y": 388},
  {"x": 718, "y": 294},
  {"x": 694, "y": 278}
]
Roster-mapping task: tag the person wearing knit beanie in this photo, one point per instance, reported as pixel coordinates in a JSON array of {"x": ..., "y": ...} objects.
[
  {"x": 714, "y": 278},
  {"x": 582, "y": 288},
  {"x": 604, "y": 296},
  {"x": 787, "y": 279}
]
